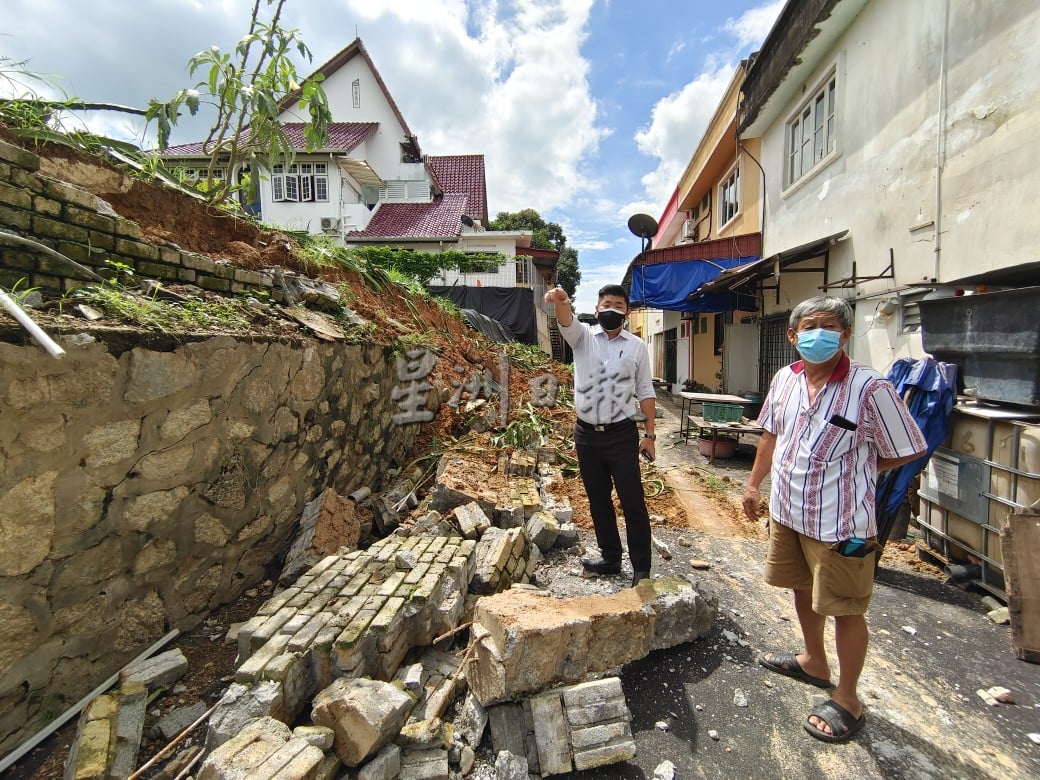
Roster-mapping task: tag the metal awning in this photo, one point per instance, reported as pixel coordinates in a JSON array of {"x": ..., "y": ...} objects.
[
  {"x": 737, "y": 277},
  {"x": 361, "y": 172}
]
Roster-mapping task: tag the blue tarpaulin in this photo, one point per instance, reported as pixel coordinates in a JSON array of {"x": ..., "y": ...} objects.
[
  {"x": 929, "y": 389},
  {"x": 668, "y": 285}
]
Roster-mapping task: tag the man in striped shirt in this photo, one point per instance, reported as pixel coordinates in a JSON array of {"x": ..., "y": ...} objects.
[{"x": 831, "y": 425}]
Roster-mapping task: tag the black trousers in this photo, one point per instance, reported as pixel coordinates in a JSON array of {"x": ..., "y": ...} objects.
[{"x": 611, "y": 459}]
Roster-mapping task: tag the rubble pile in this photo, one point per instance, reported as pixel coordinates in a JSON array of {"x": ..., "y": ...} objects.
[{"x": 355, "y": 653}]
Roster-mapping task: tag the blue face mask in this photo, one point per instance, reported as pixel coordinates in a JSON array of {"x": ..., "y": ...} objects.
[{"x": 819, "y": 345}]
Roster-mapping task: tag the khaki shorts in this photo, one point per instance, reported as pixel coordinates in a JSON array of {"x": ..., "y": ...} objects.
[{"x": 840, "y": 585}]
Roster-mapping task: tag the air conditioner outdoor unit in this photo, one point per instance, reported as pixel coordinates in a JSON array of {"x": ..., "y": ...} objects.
[
  {"x": 689, "y": 229},
  {"x": 329, "y": 223}
]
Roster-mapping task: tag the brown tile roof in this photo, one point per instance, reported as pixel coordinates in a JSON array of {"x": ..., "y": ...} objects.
[
  {"x": 343, "y": 137},
  {"x": 439, "y": 219},
  {"x": 463, "y": 173}
]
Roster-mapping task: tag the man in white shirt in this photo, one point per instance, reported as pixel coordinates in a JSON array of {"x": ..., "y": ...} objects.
[
  {"x": 831, "y": 425},
  {"x": 610, "y": 366}
]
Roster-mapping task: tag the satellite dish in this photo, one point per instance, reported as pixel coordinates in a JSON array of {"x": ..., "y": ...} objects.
[{"x": 643, "y": 225}]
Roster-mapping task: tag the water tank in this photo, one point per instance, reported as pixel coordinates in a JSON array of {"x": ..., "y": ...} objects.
[{"x": 994, "y": 338}]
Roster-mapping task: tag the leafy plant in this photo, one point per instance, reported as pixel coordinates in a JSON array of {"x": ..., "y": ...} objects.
[
  {"x": 546, "y": 235},
  {"x": 527, "y": 430},
  {"x": 249, "y": 89}
]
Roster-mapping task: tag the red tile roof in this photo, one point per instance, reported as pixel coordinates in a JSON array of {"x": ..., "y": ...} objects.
[
  {"x": 439, "y": 219},
  {"x": 343, "y": 137},
  {"x": 463, "y": 173}
]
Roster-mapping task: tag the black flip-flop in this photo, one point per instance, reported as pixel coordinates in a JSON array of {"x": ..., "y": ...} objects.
[
  {"x": 788, "y": 666},
  {"x": 843, "y": 725}
]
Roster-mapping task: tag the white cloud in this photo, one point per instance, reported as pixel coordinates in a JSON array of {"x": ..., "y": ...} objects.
[
  {"x": 511, "y": 87},
  {"x": 676, "y": 125},
  {"x": 752, "y": 26}
]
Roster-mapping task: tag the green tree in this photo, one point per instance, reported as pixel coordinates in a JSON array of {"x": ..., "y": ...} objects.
[
  {"x": 248, "y": 90},
  {"x": 547, "y": 235}
]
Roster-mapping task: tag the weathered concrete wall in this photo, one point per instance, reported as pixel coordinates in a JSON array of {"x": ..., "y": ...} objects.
[{"x": 140, "y": 489}]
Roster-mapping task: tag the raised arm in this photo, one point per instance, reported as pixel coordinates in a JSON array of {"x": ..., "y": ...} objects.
[{"x": 561, "y": 301}]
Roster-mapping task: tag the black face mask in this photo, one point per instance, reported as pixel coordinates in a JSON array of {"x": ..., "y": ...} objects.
[{"x": 610, "y": 319}]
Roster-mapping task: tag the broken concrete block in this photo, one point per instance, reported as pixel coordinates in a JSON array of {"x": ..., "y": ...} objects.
[
  {"x": 129, "y": 728},
  {"x": 509, "y": 515},
  {"x": 501, "y": 558},
  {"x": 509, "y": 766},
  {"x": 472, "y": 721},
  {"x": 241, "y": 704},
  {"x": 568, "y": 536},
  {"x": 424, "y": 765},
  {"x": 364, "y": 714},
  {"x": 157, "y": 671},
  {"x": 512, "y": 730},
  {"x": 319, "y": 736},
  {"x": 543, "y": 530},
  {"x": 424, "y": 734},
  {"x": 385, "y": 765},
  {"x": 327, "y": 523},
  {"x": 461, "y": 481},
  {"x": 599, "y": 722},
  {"x": 551, "y": 734},
  {"x": 264, "y": 748},
  {"x": 526, "y": 641},
  {"x": 473, "y": 522}
]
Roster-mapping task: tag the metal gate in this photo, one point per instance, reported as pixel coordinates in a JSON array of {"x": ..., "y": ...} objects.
[{"x": 776, "y": 351}]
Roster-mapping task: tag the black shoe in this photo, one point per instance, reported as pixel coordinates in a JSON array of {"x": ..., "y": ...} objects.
[
  {"x": 639, "y": 576},
  {"x": 601, "y": 566}
]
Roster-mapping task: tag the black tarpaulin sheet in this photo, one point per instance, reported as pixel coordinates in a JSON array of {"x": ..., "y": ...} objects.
[{"x": 512, "y": 307}]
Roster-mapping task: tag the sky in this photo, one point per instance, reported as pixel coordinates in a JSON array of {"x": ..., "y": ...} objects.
[{"x": 585, "y": 110}]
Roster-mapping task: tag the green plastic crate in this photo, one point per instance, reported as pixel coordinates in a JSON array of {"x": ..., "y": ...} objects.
[{"x": 715, "y": 412}]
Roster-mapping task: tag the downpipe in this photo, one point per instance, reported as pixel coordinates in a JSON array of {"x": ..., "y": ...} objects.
[{"x": 35, "y": 330}]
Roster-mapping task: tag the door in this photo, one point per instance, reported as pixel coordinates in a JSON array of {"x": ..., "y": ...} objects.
[
  {"x": 671, "y": 348},
  {"x": 740, "y": 358}
]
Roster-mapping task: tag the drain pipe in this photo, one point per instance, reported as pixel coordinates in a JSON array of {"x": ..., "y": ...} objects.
[
  {"x": 940, "y": 144},
  {"x": 34, "y": 330}
]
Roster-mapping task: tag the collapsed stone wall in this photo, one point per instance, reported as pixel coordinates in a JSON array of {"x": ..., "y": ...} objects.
[
  {"x": 140, "y": 489},
  {"x": 86, "y": 229}
]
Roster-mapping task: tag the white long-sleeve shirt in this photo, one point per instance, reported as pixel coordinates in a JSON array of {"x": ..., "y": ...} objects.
[{"x": 607, "y": 373}]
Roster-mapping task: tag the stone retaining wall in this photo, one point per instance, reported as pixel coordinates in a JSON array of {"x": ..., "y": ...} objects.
[
  {"x": 85, "y": 229},
  {"x": 141, "y": 489}
]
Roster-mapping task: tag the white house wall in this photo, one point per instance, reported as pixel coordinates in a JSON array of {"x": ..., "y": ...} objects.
[
  {"x": 382, "y": 149},
  {"x": 881, "y": 183}
]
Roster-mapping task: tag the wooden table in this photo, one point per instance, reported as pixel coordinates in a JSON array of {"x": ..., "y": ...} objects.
[
  {"x": 735, "y": 428},
  {"x": 689, "y": 399}
]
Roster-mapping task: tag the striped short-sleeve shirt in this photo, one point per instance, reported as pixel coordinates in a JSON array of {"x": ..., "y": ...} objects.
[{"x": 824, "y": 467}]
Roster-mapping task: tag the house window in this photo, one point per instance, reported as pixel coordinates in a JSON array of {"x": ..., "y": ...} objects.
[
  {"x": 811, "y": 133},
  {"x": 355, "y": 90},
  {"x": 729, "y": 196},
  {"x": 684, "y": 329},
  {"x": 303, "y": 182},
  {"x": 200, "y": 174}
]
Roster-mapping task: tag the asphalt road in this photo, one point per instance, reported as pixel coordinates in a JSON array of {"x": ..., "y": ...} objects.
[{"x": 711, "y": 710}]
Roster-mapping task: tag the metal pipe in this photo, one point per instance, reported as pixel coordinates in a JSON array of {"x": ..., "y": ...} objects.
[
  {"x": 940, "y": 137},
  {"x": 35, "y": 330},
  {"x": 11, "y": 758}
]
